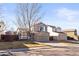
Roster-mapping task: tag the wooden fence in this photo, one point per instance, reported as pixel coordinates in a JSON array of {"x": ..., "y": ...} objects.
[{"x": 9, "y": 38}]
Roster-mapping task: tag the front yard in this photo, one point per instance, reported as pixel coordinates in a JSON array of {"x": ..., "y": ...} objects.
[
  {"x": 20, "y": 44},
  {"x": 36, "y": 48},
  {"x": 54, "y": 49},
  {"x": 30, "y": 44}
]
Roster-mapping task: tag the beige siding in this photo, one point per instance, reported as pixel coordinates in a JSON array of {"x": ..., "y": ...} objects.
[
  {"x": 41, "y": 36},
  {"x": 61, "y": 36},
  {"x": 72, "y": 35}
]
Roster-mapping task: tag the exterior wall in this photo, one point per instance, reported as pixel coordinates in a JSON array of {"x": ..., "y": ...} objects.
[
  {"x": 41, "y": 36},
  {"x": 37, "y": 27},
  {"x": 58, "y": 29},
  {"x": 49, "y": 29},
  {"x": 1, "y": 28},
  {"x": 72, "y": 34},
  {"x": 22, "y": 32},
  {"x": 60, "y": 36},
  {"x": 53, "y": 29},
  {"x": 1, "y": 34},
  {"x": 55, "y": 34}
]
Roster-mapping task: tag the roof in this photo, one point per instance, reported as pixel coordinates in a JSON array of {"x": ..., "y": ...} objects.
[
  {"x": 61, "y": 32},
  {"x": 69, "y": 30},
  {"x": 51, "y": 26},
  {"x": 58, "y": 27},
  {"x": 22, "y": 29},
  {"x": 1, "y": 22},
  {"x": 41, "y": 23}
]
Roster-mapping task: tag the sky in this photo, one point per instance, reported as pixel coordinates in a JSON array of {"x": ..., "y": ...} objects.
[{"x": 62, "y": 15}]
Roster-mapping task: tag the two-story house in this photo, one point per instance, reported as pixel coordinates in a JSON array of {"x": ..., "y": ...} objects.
[{"x": 40, "y": 30}]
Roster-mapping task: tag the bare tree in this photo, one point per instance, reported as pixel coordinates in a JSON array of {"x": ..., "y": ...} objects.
[
  {"x": 27, "y": 15},
  {"x": 2, "y": 23}
]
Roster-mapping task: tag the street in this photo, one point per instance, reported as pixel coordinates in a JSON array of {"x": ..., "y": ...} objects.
[{"x": 55, "y": 49}]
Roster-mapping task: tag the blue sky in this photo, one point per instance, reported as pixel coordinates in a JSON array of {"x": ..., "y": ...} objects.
[{"x": 63, "y": 15}]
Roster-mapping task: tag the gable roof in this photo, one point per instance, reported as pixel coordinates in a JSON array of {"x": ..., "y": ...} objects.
[
  {"x": 51, "y": 26},
  {"x": 23, "y": 29},
  {"x": 69, "y": 30},
  {"x": 41, "y": 23}
]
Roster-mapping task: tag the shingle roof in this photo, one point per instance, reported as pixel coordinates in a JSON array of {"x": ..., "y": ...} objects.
[
  {"x": 68, "y": 30},
  {"x": 51, "y": 26}
]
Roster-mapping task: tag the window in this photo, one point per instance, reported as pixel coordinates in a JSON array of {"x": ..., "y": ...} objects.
[
  {"x": 41, "y": 29},
  {"x": 0, "y": 26},
  {"x": 75, "y": 32}
]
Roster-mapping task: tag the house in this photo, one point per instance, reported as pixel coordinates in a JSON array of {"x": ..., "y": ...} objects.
[
  {"x": 10, "y": 33},
  {"x": 71, "y": 33},
  {"x": 2, "y": 25},
  {"x": 22, "y": 32},
  {"x": 9, "y": 36},
  {"x": 40, "y": 30},
  {"x": 56, "y": 33}
]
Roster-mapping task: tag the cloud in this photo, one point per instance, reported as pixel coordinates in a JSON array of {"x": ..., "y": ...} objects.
[{"x": 68, "y": 15}]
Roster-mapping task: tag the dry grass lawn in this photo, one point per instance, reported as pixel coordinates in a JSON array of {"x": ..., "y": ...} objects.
[
  {"x": 29, "y": 44},
  {"x": 19, "y": 44}
]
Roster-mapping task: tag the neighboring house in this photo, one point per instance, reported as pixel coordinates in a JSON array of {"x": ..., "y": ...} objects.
[
  {"x": 10, "y": 33},
  {"x": 9, "y": 36},
  {"x": 22, "y": 32},
  {"x": 72, "y": 33},
  {"x": 1, "y": 28},
  {"x": 56, "y": 33}
]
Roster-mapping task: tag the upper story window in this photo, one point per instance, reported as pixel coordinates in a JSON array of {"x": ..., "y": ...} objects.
[
  {"x": 0, "y": 26},
  {"x": 42, "y": 29}
]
